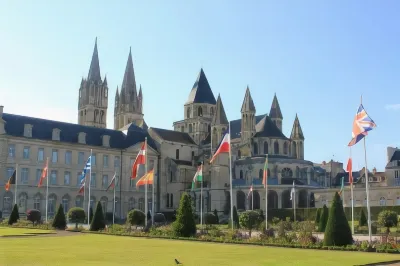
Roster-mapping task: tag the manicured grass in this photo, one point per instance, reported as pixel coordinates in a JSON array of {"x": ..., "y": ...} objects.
[
  {"x": 7, "y": 231},
  {"x": 86, "y": 249}
]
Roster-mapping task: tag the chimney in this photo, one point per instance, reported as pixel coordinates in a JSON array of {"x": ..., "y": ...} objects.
[
  {"x": 374, "y": 170},
  {"x": 1, "y": 110}
]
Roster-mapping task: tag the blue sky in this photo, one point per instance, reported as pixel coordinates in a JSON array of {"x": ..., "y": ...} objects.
[{"x": 317, "y": 56}]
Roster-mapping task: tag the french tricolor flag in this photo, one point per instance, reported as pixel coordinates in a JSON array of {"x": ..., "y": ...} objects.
[{"x": 224, "y": 147}]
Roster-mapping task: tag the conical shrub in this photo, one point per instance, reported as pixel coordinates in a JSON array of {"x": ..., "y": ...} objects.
[
  {"x": 14, "y": 216},
  {"x": 323, "y": 218},
  {"x": 98, "y": 221},
  {"x": 59, "y": 221},
  {"x": 185, "y": 225}
]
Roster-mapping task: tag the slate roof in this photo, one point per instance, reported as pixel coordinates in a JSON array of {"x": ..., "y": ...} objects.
[
  {"x": 43, "y": 130},
  {"x": 201, "y": 91},
  {"x": 236, "y": 126},
  {"x": 267, "y": 128},
  {"x": 336, "y": 180},
  {"x": 275, "y": 111},
  {"x": 395, "y": 156},
  {"x": 174, "y": 136}
]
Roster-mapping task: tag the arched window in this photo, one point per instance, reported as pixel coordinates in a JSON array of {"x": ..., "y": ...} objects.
[
  {"x": 255, "y": 148},
  {"x": 294, "y": 149},
  {"x": 171, "y": 201},
  {"x": 239, "y": 154},
  {"x": 241, "y": 174},
  {"x": 23, "y": 198},
  {"x": 188, "y": 112},
  {"x": 65, "y": 203},
  {"x": 190, "y": 128},
  {"x": 79, "y": 201},
  {"x": 200, "y": 111},
  {"x": 287, "y": 172},
  {"x": 382, "y": 201},
  {"x": 51, "y": 208},
  {"x": 167, "y": 200},
  {"x": 131, "y": 203},
  {"x": 265, "y": 147},
  {"x": 209, "y": 128},
  {"x": 141, "y": 204},
  {"x": 36, "y": 202},
  {"x": 285, "y": 148},
  {"x": 276, "y": 147},
  {"x": 398, "y": 201},
  {"x": 211, "y": 111}
]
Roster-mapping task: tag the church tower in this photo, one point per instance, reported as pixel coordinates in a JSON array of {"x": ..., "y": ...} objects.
[
  {"x": 93, "y": 96},
  {"x": 248, "y": 127},
  {"x": 128, "y": 105},
  {"x": 297, "y": 138},
  {"x": 219, "y": 124},
  {"x": 275, "y": 113}
]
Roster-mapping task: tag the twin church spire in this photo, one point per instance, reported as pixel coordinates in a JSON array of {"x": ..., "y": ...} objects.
[{"x": 93, "y": 97}]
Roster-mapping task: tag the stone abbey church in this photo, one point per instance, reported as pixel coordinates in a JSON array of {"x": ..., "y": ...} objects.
[{"x": 26, "y": 142}]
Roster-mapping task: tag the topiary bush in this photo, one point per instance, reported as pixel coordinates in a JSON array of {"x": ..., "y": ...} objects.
[
  {"x": 33, "y": 216},
  {"x": 185, "y": 225},
  {"x": 317, "y": 216},
  {"x": 59, "y": 221},
  {"x": 136, "y": 218},
  {"x": 236, "y": 223},
  {"x": 250, "y": 220},
  {"x": 216, "y": 215},
  {"x": 210, "y": 218},
  {"x": 76, "y": 215},
  {"x": 387, "y": 219},
  {"x": 323, "y": 219},
  {"x": 363, "y": 219},
  {"x": 14, "y": 216},
  {"x": 98, "y": 222},
  {"x": 337, "y": 231}
]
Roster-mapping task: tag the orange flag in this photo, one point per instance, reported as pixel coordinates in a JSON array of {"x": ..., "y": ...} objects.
[{"x": 147, "y": 178}]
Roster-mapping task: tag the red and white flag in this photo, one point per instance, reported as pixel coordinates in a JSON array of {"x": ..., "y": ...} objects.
[
  {"x": 140, "y": 159},
  {"x": 350, "y": 170},
  {"x": 44, "y": 174},
  {"x": 224, "y": 147}
]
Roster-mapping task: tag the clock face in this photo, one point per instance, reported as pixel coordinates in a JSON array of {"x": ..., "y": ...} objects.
[{"x": 106, "y": 93}]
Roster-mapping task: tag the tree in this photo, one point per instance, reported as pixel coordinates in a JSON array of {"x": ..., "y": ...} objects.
[
  {"x": 317, "y": 217},
  {"x": 185, "y": 225},
  {"x": 98, "y": 221},
  {"x": 76, "y": 215},
  {"x": 210, "y": 218},
  {"x": 33, "y": 216},
  {"x": 14, "y": 216},
  {"x": 235, "y": 218},
  {"x": 387, "y": 219},
  {"x": 136, "y": 217},
  {"x": 59, "y": 221},
  {"x": 337, "y": 232},
  {"x": 90, "y": 214},
  {"x": 216, "y": 215},
  {"x": 250, "y": 220},
  {"x": 363, "y": 219},
  {"x": 323, "y": 218}
]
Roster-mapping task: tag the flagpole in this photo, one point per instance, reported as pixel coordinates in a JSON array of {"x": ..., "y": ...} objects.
[
  {"x": 352, "y": 195},
  {"x": 230, "y": 173},
  {"x": 47, "y": 187},
  {"x": 90, "y": 181},
  {"x": 266, "y": 195},
  {"x": 294, "y": 202},
  {"x": 201, "y": 198},
  {"x": 147, "y": 181},
  {"x": 16, "y": 184},
  {"x": 367, "y": 191},
  {"x": 115, "y": 187}
]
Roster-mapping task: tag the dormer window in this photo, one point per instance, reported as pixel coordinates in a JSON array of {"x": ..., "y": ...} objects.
[
  {"x": 28, "y": 130},
  {"x": 106, "y": 141},
  {"x": 56, "y": 134},
  {"x": 82, "y": 138}
]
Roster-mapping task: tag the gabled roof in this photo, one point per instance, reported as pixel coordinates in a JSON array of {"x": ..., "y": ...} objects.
[
  {"x": 201, "y": 91},
  {"x": 267, "y": 128},
  {"x": 248, "y": 104},
  {"x": 43, "y": 130},
  {"x": 275, "y": 111},
  {"x": 220, "y": 115},
  {"x": 174, "y": 136}
]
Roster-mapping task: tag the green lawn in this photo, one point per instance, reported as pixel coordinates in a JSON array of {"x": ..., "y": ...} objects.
[
  {"x": 86, "y": 249},
  {"x": 7, "y": 231}
]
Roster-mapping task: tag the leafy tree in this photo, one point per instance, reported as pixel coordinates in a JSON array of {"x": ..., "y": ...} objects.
[
  {"x": 136, "y": 217},
  {"x": 363, "y": 219},
  {"x": 33, "y": 216},
  {"x": 216, "y": 215},
  {"x": 98, "y": 221},
  {"x": 76, "y": 215},
  {"x": 235, "y": 218},
  {"x": 185, "y": 224},
  {"x": 323, "y": 219},
  {"x": 59, "y": 221},
  {"x": 250, "y": 220},
  {"x": 337, "y": 232},
  {"x": 317, "y": 216},
  {"x": 14, "y": 216},
  {"x": 148, "y": 217},
  {"x": 210, "y": 218},
  {"x": 387, "y": 219},
  {"x": 91, "y": 214}
]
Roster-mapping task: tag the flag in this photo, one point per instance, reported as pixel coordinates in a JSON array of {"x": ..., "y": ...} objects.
[
  {"x": 292, "y": 192},
  {"x": 198, "y": 177},
  {"x": 147, "y": 178},
  {"x": 223, "y": 147},
  {"x": 350, "y": 170},
  {"x": 140, "y": 159},
  {"x": 112, "y": 183},
  {"x": 82, "y": 188},
  {"x": 361, "y": 125},
  {"x": 265, "y": 175},
  {"x": 11, "y": 180},
  {"x": 250, "y": 191},
  {"x": 88, "y": 166},
  {"x": 44, "y": 174},
  {"x": 341, "y": 187}
]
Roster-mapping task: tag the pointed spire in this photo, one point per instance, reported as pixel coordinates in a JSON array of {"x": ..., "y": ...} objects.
[
  {"x": 140, "y": 92},
  {"x": 94, "y": 71},
  {"x": 297, "y": 132},
  {"x": 105, "y": 80},
  {"x": 140, "y": 99},
  {"x": 128, "y": 88},
  {"x": 201, "y": 91},
  {"x": 275, "y": 112},
  {"x": 248, "y": 104},
  {"x": 219, "y": 117},
  {"x": 117, "y": 95}
]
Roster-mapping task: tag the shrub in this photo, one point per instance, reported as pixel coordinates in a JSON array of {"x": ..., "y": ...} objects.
[
  {"x": 317, "y": 216},
  {"x": 337, "y": 232},
  {"x": 76, "y": 215},
  {"x": 323, "y": 219},
  {"x": 33, "y": 216},
  {"x": 216, "y": 216},
  {"x": 235, "y": 218},
  {"x": 210, "y": 218},
  {"x": 363, "y": 219},
  {"x": 275, "y": 220},
  {"x": 185, "y": 225},
  {"x": 136, "y": 217},
  {"x": 159, "y": 218},
  {"x": 90, "y": 214},
  {"x": 250, "y": 220},
  {"x": 14, "y": 216},
  {"x": 98, "y": 222},
  {"x": 59, "y": 221},
  {"x": 387, "y": 219}
]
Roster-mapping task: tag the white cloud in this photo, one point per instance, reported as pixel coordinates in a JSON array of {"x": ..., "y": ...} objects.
[{"x": 393, "y": 107}]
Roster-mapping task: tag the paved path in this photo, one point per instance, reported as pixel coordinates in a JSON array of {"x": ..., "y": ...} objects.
[{"x": 55, "y": 234}]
